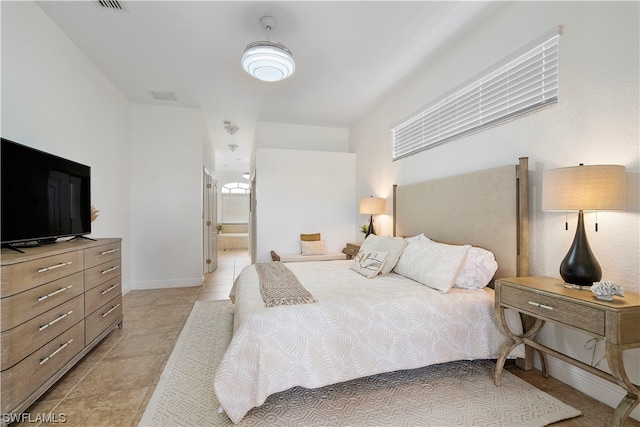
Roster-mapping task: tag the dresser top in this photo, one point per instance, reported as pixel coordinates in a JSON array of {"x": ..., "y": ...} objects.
[
  {"x": 557, "y": 286},
  {"x": 9, "y": 256}
]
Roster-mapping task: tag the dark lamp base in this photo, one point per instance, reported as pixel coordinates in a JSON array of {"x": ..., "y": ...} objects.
[
  {"x": 370, "y": 229},
  {"x": 579, "y": 266}
]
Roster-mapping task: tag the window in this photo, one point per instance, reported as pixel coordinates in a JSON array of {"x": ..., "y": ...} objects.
[
  {"x": 519, "y": 84},
  {"x": 234, "y": 202},
  {"x": 236, "y": 188}
]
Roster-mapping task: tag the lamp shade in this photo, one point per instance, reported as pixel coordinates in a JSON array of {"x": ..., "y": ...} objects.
[
  {"x": 372, "y": 205},
  {"x": 594, "y": 187}
]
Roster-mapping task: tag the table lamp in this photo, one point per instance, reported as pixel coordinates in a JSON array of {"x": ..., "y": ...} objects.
[
  {"x": 372, "y": 206},
  {"x": 580, "y": 188}
]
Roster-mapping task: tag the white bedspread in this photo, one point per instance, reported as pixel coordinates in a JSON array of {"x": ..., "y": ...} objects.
[{"x": 358, "y": 327}]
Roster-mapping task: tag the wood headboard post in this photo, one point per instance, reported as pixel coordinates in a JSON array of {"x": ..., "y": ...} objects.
[
  {"x": 522, "y": 172},
  {"x": 395, "y": 187}
]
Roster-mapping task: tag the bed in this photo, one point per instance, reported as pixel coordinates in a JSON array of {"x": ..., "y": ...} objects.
[{"x": 358, "y": 324}]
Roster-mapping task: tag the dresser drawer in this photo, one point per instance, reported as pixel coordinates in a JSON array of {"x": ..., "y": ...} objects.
[
  {"x": 98, "y": 321},
  {"x": 102, "y": 294},
  {"x": 22, "y": 379},
  {"x": 26, "y": 275},
  {"x": 101, "y": 273},
  {"x": 23, "y": 340},
  {"x": 101, "y": 254},
  {"x": 24, "y": 306},
  {"x": 551, "y": 307}
]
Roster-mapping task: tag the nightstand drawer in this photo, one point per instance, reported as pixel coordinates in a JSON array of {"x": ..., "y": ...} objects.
[{"x": 551, "y": 307}]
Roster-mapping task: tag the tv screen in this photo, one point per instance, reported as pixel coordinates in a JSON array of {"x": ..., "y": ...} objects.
[{"x": 44, "y": 197}]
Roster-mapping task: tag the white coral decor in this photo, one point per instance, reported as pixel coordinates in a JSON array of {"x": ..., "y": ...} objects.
[{"x": 606, "y": 290}]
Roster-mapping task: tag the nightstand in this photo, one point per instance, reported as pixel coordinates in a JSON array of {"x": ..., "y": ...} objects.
[
  {"x": 545, "y": 299},
  {"x": 351, "y": 250}
]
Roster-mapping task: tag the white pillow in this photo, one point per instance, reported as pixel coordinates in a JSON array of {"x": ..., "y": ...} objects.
[
  {"x": 419, "y": 237},
  {"x": 316, "y": 247},
  {"x": 433, "y": 264},
  {"x": 393, "y": 245},
  {"x": 369, "y": 262},
  {"x": 478, "y": 269}
]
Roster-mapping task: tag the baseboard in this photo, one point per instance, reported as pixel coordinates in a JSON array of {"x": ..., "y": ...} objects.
[
  {"x": 603, "y": 391},
  {"x": 164, "y": 284}
]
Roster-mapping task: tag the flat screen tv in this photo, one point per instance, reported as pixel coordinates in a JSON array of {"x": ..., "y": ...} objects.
[{"x": 44, "y": 197}]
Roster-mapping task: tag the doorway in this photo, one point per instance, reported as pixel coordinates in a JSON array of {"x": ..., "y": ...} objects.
[{"x": 209, "y": 223}]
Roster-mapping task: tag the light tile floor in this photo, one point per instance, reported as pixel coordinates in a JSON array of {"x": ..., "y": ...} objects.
[{"x": 112, "y": 385}]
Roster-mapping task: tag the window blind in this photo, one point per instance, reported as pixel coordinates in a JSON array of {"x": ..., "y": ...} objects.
[{"x": 519, "y": 84}]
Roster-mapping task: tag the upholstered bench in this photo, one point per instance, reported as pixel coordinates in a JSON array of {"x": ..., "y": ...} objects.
[{"x": 329, "y": 256}]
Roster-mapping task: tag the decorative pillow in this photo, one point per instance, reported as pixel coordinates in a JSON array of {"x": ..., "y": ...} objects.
[
  {"x": 478, "y": 269},
  {"x": 419, "y": 237},
  {"x": 433, "y": 264},
  {"x": 315, "y": 247},
  {"x": 368, "y": 262},
  {"x": 310, "y": 237},
  {"x": 393, "y": 245}
]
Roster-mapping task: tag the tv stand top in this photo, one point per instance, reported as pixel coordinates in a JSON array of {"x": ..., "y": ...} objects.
[{"x": 8, "y": 256}]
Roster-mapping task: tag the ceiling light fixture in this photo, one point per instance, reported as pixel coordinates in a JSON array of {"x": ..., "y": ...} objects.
[
  {"x": 233, "y": 147},
  {"x": 231, "y": 129},
  {"x": 266, "y": 60}
]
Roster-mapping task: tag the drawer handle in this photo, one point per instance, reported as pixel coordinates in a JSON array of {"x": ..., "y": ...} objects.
[
  {"x": 53, "y": 267},
  {"x": 63, "y": 345},
  {"x": 112, "y": 287},
  {"x": 110, "y": 251},
  {"x": 44, "y": 297},
  {"x": 537, "y": 304},
  {"x": 109, "y": 270},
  {"x": 57, "y": 319},
  {"x": 110, "y": 310}
]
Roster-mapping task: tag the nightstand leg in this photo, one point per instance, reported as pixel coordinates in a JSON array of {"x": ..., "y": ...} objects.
[
  {"x": 514, "y": 341},
  {"x": 631, "y": 400},
  {"x": 543, "y": 364},
  {"x": 504, "y": 353}
]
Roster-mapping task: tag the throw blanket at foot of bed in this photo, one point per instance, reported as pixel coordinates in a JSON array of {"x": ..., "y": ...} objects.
[{"x": 279, "y": 286}]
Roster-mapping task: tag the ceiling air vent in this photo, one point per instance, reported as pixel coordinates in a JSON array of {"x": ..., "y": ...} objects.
[
  {"x": 164, "y": 95},
  {"x": 111, "y": 4}
]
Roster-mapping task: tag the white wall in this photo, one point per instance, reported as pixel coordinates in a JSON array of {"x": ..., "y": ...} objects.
[
  {"x": 302, "y": 191},
  {"x": 301, "y": 137},
  {"x": 595, "y": 122},
  {"x": 166, "y": 194},
  {"x": 56, "y": 100}
]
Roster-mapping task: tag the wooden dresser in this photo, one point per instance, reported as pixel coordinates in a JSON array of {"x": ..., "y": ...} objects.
[{"x": 57, "y": 302}]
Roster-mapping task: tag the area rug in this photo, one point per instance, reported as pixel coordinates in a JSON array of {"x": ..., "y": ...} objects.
[{"x": 450, "y": 394}]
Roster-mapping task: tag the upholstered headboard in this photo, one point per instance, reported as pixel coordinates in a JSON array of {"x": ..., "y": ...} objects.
[{"x": 488, "y": 208}]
